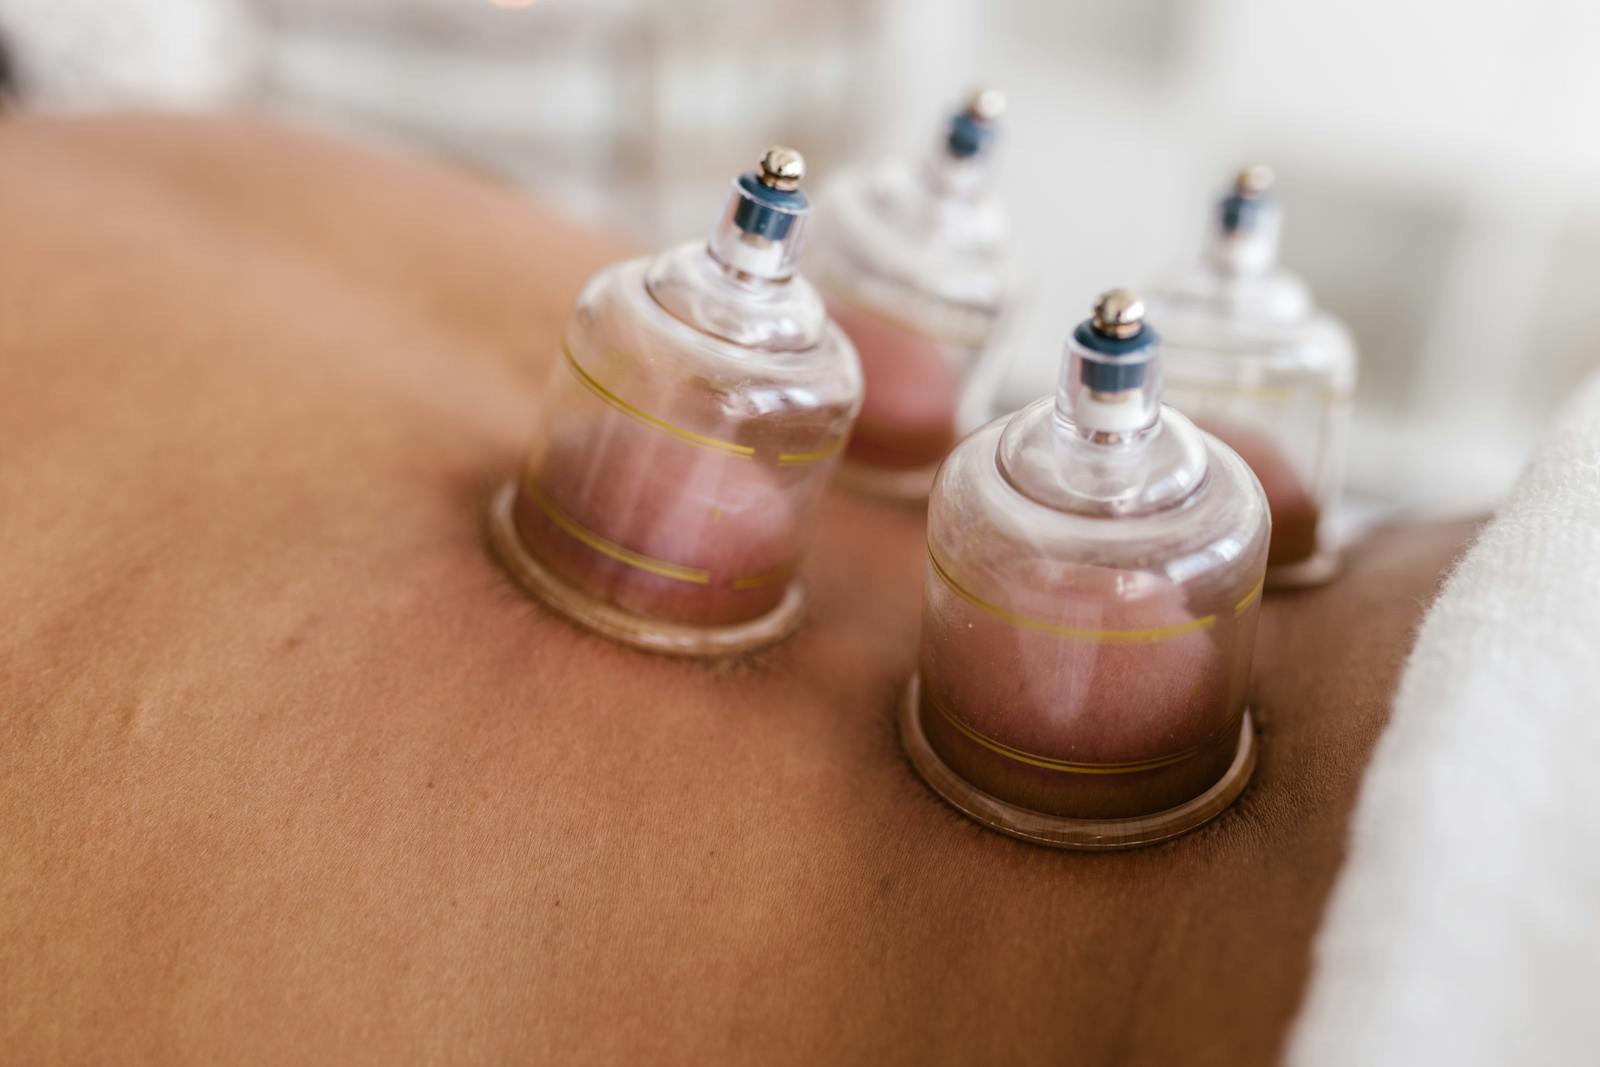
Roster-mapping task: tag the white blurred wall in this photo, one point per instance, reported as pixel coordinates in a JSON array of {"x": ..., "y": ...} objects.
[
  {"x": 1439, "y": 162},
  {"x": 1439, "y": 159},
  {"x": 77, "y": 54}
]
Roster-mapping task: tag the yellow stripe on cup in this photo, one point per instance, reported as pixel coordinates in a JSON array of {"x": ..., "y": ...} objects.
[
  {"x": 607, "y": 547},
  {"x": 712, "y": 444},
  {"x": 1250, "y": 598},
  {"x": 1050, "y": 763},
  {"x": 777, "y": 574},
  {"x": 699, "y": 440},
  {"x": 795, "y": 459},
  {"x": 1109, "y": 637}
]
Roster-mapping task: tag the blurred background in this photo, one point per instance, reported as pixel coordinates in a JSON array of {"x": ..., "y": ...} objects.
[{"x": 1439, "y": 162}]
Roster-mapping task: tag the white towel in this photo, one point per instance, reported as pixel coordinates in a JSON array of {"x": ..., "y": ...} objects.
[{"x": 1465, "y": 928}]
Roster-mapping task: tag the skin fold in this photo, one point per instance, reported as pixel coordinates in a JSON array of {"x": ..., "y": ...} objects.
[{"x": 290, "y": 772}]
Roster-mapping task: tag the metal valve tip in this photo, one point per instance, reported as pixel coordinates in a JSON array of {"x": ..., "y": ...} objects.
[
  {"x": 782, "y": 168},
  {"x": 986, "y": 104},
  {"x": 1255, "y": 180},
  {"x": 1118, "y": 313}
]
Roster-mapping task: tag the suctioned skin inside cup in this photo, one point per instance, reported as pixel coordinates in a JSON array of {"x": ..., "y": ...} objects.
[
  {"x": 1295, "y": 513},
  {"x": 660, "y": 529},
  {"x": 908, "y": 417},
  {"x": 672, "y": 485},
  {"x": 1092, "y": 692},
  {"x": 695, "y": 415},
  {"x": 1095, "y": 566},
  {"x": 1254, "y": 362}
]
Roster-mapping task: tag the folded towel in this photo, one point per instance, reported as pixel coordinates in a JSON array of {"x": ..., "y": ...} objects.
[{"x": 1465, "y": 928}]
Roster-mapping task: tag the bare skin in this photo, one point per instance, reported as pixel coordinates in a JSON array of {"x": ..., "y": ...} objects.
[{"x": 290, "y": 772}]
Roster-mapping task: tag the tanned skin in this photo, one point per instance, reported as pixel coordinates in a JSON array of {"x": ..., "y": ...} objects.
[{"x": 290, "y": 772}]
